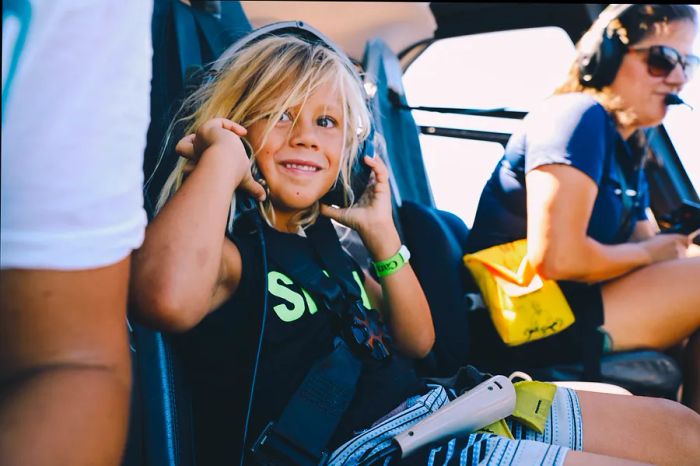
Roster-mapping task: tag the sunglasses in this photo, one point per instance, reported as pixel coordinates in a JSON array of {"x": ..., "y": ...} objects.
[{"x": 662, "y": 60}]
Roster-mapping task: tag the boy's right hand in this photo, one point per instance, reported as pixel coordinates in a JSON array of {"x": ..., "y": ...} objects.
[{"x": 224, "y": 133}]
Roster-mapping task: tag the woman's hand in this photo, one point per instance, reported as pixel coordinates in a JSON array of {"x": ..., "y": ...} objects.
[
  {"x": 371, "y": 215},
  {"x": 223, "y": 134},
  {"x": 665, "y": 247}
]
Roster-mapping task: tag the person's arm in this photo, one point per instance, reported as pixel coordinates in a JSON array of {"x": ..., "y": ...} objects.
[
  {"x": 560, "y": 200},
  {"x": 643, "y": 230},
  {"x": 186, "y": 267},
  {"x": 400, "y": 297}
]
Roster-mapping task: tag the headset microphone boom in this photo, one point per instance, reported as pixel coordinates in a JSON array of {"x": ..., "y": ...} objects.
[{"x": 674, "y": 99}]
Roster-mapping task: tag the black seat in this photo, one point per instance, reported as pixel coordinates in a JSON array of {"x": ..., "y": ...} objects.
[
  {"x": 436, "y": 258},
  {"x": 160, "y": 431}
]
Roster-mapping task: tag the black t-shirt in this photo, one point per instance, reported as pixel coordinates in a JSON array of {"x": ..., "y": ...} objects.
[{"x": 298, "y": 332}]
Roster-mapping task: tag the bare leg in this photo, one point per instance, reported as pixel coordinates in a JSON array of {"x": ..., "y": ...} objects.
[
  {"x": 580, "y": 458},
  {"x": 656, "y": 306},
  {"x": 64, "y": 366},
  {"x": 651, "y": 430}
]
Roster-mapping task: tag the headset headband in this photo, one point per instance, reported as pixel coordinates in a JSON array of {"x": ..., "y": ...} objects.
[
  {"x": 612, "y": 11},
  {"x": 297, "y": 28},
  {"x": 600, "y": 52}
]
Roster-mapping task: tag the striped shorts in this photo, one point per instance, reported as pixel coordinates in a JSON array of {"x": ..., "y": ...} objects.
[{"x": 563, "y": 431}]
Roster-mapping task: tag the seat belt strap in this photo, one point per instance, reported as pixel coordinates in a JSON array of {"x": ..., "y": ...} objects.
[
  {"x": 307, "y": 274},
  {"x": 626, "y": 193},
  {"x": 330, "y": 253},
  {"x": 312, "y": 415},
  {"x": 363, "y": 326},
  {"x": 593, "y": 343}
]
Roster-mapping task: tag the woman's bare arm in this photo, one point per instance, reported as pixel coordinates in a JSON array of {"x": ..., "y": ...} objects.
[{"x": 559, "y": 204}]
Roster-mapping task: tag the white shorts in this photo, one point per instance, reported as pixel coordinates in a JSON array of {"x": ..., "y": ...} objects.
[
  {"x": 563, "y": 432},
  {"x": 76, "y": 107}
]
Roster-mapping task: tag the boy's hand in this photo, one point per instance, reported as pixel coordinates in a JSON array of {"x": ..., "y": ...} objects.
[
  {"x": 371, "y": 215},
  {"x": 226, "y": 134},
  {"x": 215, "y": 131},
  {"x": 220, "y": 131}
]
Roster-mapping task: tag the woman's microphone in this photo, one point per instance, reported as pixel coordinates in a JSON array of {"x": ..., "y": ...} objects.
[{"x": 674, "y": 99}]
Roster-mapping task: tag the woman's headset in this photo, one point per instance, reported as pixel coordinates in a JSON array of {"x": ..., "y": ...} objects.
[
  {"x": 601, "y": 49},
  {"x": 360, "y": 172}
]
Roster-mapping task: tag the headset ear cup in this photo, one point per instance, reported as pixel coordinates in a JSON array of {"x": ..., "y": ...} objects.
[
  {"x": 614, "y": 54},
  {"x": 359, "y": 176},
  {"x": 361, "y": 172},
  {"x": 598, "y": 67},
  {"x": 601, "y": 55}
]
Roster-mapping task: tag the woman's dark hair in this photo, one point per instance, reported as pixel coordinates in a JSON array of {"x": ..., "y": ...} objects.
[{"x": 639, "y": 20}]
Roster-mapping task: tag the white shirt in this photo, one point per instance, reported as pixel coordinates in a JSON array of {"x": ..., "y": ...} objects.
[{"x": 74, "y": 133}]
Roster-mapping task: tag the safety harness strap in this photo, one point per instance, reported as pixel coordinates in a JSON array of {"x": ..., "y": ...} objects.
[
  {"x": 188, "y": 50},
  {"x": 312, "y": 415},
  {"x": 295, "y": 263},
  {"x": 330, "y": 254},
  {"x": 361, "y": 326},
  {"x": 629, "y": 195}
]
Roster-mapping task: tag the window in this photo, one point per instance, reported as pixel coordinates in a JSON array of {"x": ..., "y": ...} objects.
[
  {"x": 458, "y": 170},
  {"x": 513, "y": 69},
  {"x": 682, "y": 124}
]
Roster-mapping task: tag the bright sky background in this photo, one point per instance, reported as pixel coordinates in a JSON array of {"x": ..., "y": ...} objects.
[{"x": 515, "y": 69}]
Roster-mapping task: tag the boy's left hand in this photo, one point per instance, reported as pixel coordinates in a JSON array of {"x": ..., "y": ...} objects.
[{"x": 371, "y": 215}]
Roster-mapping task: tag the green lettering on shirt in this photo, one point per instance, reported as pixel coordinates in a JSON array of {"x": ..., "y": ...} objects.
[
  {"x": 298, "y": 303},
  {"x": 295, "y": 310},
  {"x": 310, "y": 302}
]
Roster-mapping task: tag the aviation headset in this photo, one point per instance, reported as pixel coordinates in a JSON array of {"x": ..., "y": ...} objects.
[
  {"x": 360, "y": 173},
  {"x": 601, "y": 49}
]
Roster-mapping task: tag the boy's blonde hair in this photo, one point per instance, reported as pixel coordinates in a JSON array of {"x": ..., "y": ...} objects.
[{"x": 263, "y": 80}]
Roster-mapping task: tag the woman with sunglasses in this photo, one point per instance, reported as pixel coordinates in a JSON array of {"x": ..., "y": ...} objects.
[{"x": 572, "y": 182}]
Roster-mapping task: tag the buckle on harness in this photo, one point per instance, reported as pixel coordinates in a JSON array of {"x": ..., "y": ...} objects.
[
  {"x": 273, "y": 449},
  {"x": 367, "y": 331}
]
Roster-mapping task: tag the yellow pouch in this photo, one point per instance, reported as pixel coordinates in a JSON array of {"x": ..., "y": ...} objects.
[
  {"x": 533, "y": 400},
  {"x": 523, "y": 306}
]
